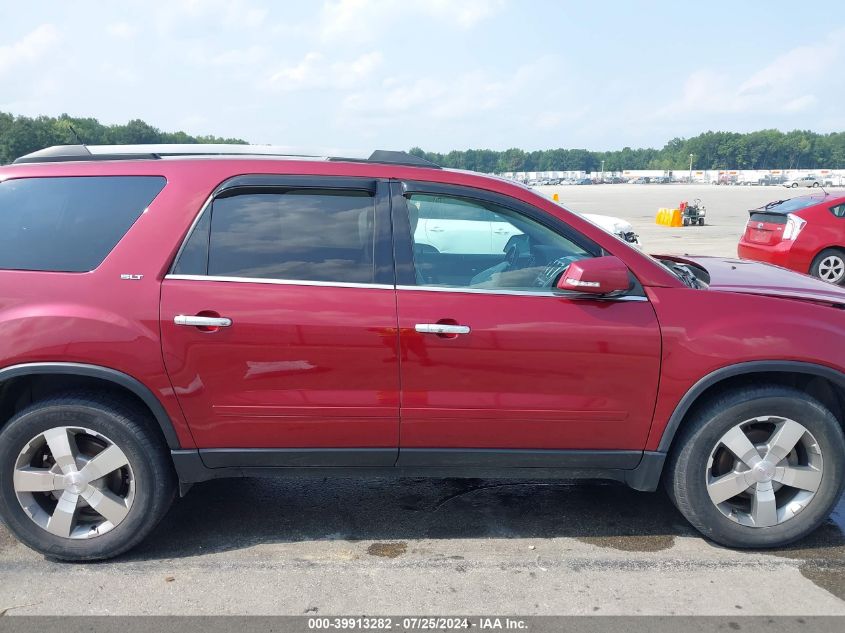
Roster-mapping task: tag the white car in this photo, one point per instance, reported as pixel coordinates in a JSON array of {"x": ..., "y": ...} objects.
[
  {"x": 488, "y": 234},
  {"x": 803, "y": 181},
  {"x": 617, "y": 226}
]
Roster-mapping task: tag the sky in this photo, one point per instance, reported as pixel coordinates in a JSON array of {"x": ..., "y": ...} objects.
[{"x": 343, "y": 76}]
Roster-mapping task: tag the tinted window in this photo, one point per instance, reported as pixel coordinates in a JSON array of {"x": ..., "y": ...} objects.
[
  {"x": 838, "y": 210},
  {"x": 296, "y": 235},
  {"x": 193, "y": 260},
  {"x": 792, "y": 204},
  {"x": 472, "y": 244},
  {"x": 69, "y": 224}
]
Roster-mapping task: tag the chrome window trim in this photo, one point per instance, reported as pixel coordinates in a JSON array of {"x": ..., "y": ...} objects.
[
  {"x": 345, "y": 284},
  {"x": 524, "y": 293},
  {"x": 278, "y": 282}
]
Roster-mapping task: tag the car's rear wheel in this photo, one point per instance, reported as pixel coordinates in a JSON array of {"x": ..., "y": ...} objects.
[
  {"x": 760, "y": 467},
  {"x": 829, "y": 265},
  {"x": 794, "y": 185},
  {"x": 83, "y": 476}
]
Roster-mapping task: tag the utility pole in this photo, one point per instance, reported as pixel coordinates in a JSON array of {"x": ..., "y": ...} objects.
[{"x": 690, "y": 168}]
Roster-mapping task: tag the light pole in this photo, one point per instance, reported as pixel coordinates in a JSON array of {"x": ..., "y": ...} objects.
[
  {"x": 602, "y": 171},
  {"x": 690, "y": 168}
]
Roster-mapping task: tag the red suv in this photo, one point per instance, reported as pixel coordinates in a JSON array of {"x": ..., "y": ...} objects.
[
  {"x": 806, "y": 234},
  {"x": 169, "y": 318}
]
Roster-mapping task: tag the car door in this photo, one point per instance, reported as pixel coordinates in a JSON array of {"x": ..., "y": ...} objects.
[
  {"x": 499, "y": 369},
  {"x": 278, "y": 324}
]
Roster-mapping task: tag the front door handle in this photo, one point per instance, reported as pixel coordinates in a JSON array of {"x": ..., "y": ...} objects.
[
  {"x": 202, "y": 321},
  {"x": 441, "y": 328}
]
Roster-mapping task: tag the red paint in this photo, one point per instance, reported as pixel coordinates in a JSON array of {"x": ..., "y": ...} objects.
[
  {"x": 301, "y": 366},
  {"x": 534, "y": 372},
  {"x": 310, "y": 366},
  {"x": 598, "y": 275}
]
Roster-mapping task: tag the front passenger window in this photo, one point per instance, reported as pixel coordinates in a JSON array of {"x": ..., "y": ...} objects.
[{"x": 463, "y": 243}]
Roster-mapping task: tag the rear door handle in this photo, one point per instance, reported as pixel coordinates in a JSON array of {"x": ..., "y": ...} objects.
[
  {"x": 441, "y": 328},
  {"x": 202, "y": 321}
]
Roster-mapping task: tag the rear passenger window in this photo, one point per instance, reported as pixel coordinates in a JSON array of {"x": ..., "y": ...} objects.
[
  {"x": 69, "y": 224},
  {"x": 838, "y": 210},
  {"x": 297, "y": 235}
]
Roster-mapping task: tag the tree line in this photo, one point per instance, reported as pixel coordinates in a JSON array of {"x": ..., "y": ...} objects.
[
  {"x": 764, "y": 149},
  {"x": 21, "y": 135}
]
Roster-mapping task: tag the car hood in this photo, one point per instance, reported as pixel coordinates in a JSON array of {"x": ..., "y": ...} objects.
[{"x": 750, "y": 277}]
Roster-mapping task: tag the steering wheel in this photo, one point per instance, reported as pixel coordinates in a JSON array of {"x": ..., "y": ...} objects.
[{"x": 549, "y": 277}]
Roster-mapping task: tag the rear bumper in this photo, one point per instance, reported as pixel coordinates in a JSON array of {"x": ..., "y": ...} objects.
[{"x": 782, "y": 254}]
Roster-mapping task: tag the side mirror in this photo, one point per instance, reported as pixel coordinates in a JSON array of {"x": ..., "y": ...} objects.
[{"x": 597, "y": 276}]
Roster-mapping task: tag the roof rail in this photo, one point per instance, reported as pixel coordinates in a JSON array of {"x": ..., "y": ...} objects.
[{"x": 67, "y": 153}]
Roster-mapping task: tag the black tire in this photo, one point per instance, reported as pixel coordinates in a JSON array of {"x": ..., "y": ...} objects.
[
  {"x": 686, "y": 221},
  {"x": 132, "y": 431},
  {"x": 686, "y": 470},
  {"x": 815, "y": 184},
  {"x": 701, "y": 222},
  {"x": 794, "y": 185},
  {"x": 826, "y": 254}
]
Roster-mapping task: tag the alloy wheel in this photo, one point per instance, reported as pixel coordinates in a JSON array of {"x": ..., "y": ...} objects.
[
  {"x": 74, "y": 482},
  {"x": 764, "y": 471},
  {"x": 832, "y": 269}
]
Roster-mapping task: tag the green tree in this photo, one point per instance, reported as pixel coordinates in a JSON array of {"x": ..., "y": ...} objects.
[{"x": 21, "y": 135}]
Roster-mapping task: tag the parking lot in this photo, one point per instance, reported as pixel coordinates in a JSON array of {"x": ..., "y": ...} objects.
[
  {"x": 727, "y": 212},
  {"x": 457, "y": 546}
]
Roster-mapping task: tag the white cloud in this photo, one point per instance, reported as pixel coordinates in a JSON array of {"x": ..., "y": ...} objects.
[
  {"x": 789, "y": 83},
  {"x": 30, "y": 48},
  {"x": 464, "y": 13},
  {"x": 356, "y": 21},
  {"x": 464, "y": 99},
  {"x": 314, "y": 71},
  {"x": 121, "y": 30},
  {"x": 172, "y": 15}
]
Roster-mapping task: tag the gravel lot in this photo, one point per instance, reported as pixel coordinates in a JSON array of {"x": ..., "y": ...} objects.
[{"x": 456, "y": 546}]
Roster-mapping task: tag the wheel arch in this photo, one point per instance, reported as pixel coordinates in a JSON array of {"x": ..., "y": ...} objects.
[
  {"x": 118, "y": 380},
  {"x": 825, "y": 383}
]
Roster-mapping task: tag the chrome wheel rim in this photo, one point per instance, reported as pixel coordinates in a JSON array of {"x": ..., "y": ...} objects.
[
  {"x": 764, "y": 471},
  {"x": 74, "y": 482},
  {"x": 832, "y": 269}
]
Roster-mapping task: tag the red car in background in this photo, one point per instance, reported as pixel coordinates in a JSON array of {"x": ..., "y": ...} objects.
[{"x": 805, "y": 234}]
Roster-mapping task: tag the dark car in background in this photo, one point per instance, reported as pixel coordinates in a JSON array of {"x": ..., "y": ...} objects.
[{"x": 806, "y": 234}]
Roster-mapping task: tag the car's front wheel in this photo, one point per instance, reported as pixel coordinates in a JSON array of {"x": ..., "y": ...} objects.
[
  {"x": 759, "y": 467},
  {"x": 83, "y": 476}
]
